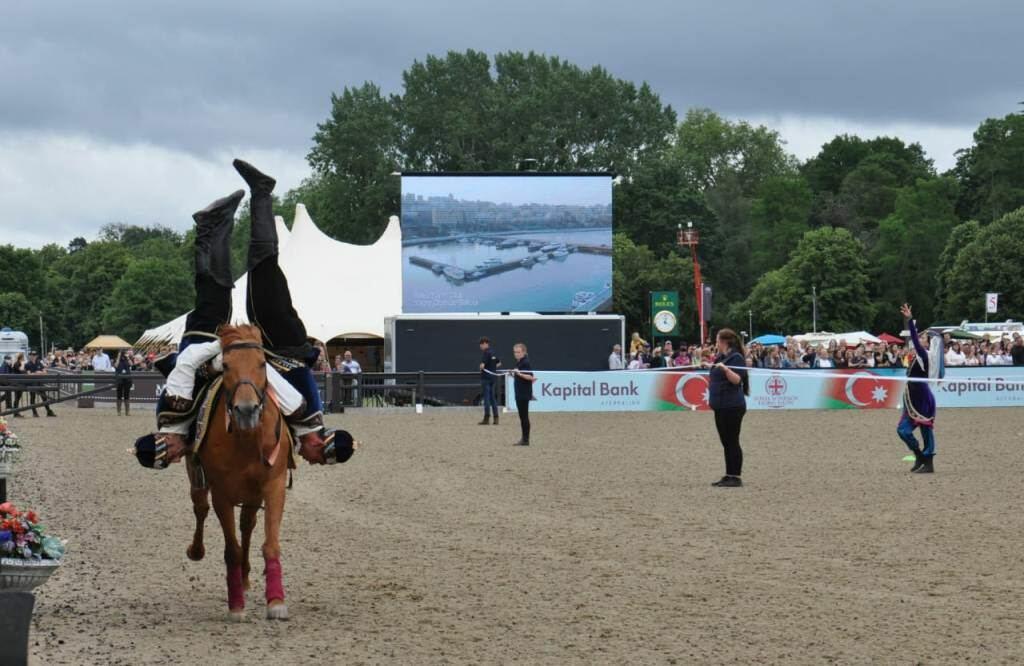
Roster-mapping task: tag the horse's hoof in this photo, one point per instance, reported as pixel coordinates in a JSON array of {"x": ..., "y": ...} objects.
[
  {"x": 237, "y": 615},
  {"x": 196, "y": 553},
  {"x": 278, "y": 611}
]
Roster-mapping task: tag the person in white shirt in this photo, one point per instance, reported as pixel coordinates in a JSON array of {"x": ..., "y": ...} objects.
[
  {"x": 101, "y": 362},
  {"x": 823, "y": 360},
  {"x": 350, "y": 364},
  {"x": 615, "y": 359},
  {"x": 955, "y": 357}
]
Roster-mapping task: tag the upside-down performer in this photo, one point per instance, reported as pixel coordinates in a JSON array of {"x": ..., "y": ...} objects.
[
  {"x": 268, "y": 306},
  {"x": 918, "y": 400}
]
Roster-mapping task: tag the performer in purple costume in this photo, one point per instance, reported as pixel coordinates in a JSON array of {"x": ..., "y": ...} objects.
[{"x": 918, "y": 400}]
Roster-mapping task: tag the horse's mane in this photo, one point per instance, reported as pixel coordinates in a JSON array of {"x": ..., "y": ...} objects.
[{"x": 242, "y": 333}]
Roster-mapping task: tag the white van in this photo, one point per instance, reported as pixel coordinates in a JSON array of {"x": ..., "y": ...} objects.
[
  {"x": 12, "y": 342},
  {"x": 994, "y": 330}
]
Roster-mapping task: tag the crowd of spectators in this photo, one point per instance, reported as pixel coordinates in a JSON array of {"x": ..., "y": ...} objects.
[
  {"x": 832, "y": 354},
  {"x": 98, "y": 360}
]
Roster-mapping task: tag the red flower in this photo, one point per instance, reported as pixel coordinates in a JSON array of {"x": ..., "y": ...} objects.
[
  {"x": 32, "y": 517},
  {"x": 8, "y": 509}
]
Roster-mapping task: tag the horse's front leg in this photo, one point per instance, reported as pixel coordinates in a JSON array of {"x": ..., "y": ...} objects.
[
  {"x": 232, "y": 556},
  {"x": 248, "y": 524},
  {"x": 201, "y": 509},
  {"x": 274, "y": 509}
]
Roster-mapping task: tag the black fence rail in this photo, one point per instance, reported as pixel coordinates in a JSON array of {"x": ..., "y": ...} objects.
[
  {"x": 387, "y": 389},
  {"x": 338, "y": 390}
]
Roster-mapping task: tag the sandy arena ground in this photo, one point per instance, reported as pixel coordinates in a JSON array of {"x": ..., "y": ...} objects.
[{"x": 602, "y": 543}]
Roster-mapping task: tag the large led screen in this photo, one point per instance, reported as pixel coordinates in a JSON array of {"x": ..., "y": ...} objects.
[{"x": 506, "y": 243}]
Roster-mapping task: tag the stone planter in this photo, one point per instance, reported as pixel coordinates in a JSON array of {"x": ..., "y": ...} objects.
[{"x": 17, "y": 575}]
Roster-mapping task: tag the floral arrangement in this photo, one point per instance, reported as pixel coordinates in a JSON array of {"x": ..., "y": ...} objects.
[
  {"x": 7, "y": 438},
  {"x": 22, "y": 537}
]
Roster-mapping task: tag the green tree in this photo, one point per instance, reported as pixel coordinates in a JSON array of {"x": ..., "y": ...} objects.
[
  {"x": 90, "y": 273},
  {"x": 568, "y": 118},
  {"x": 991, "y": 172},
  {"x": 989, "y": 263},
  {"x": 131, "y": 235},
  {"x": 352, "y": 192},
  {"x": 150, "y": 292},
  {"x": 779, "y": 216},
  {"x": 637, "y": 272},
  {"x": 826, "y": 171},
  {"x": 910, "y": 242},
  {"x": 21, "y": 271},
  {"x": 833, "y": 261},
  {"x": 18, "y": 313},
  {"x": 855, "y": 181},
  {"x": 961, "y": 236}
]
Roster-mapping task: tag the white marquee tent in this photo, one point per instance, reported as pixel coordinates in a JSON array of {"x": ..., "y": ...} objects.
[{"x": 338, "y": 289}]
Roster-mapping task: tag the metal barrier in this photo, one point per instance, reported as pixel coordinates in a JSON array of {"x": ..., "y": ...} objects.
[
  {"x": 52, "y": 388},
  {"x": 385, "y": 389},
  {"x": 337, "y": 389}
]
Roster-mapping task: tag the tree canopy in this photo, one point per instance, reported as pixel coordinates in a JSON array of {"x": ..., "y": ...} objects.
[{"x": 867, "y": 220}]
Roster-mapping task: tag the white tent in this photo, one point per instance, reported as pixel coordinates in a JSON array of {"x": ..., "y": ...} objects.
[
  {"x": 851, "y": 339},
  {"x": 337, "y": 288}
]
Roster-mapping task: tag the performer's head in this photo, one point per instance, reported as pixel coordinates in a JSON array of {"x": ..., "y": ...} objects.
[
  {"x": 519, "y": 350},
  {"x": 485, "y": 343},
  {"x": 727, "y": 339}
]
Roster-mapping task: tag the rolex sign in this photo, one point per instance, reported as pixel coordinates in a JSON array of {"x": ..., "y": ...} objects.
[{"x": 664, "y": 313}]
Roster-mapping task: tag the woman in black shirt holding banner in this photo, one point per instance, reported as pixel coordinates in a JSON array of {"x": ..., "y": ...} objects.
[
  {"x": 524, "y": 380},
  {"x": 727, "y": 388}
]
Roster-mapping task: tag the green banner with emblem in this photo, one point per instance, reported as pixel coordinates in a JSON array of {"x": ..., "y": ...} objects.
[{"x": 664, "y": 314}]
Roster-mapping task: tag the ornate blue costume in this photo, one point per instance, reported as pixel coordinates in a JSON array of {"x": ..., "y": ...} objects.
[{"x": 919, "y": 401}]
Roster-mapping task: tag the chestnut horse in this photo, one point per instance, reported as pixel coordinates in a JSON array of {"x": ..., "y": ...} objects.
[{"x": 245, "y": 462}]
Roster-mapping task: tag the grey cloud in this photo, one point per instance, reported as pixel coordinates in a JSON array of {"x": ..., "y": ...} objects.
[{"x": 201, "y": 76}]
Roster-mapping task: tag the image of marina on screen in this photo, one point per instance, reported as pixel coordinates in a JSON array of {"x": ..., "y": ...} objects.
[{"x": 507, "y": 243}]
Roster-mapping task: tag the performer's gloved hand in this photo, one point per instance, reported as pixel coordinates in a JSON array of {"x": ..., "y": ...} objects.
[
  {"x": 175, "y": 446},
  {"x": 311, "y": 447}
]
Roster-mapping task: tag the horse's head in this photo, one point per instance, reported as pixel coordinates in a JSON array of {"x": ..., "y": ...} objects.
[{"x": 245, "y": 375}]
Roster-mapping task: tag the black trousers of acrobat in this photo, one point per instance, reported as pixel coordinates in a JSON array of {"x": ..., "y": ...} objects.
[
  {"x": 213, "y": 306},
  {"x": 523, "y": 406},
  {"x": 728, "y": 422},
  {"x": 269, "y": 306}
]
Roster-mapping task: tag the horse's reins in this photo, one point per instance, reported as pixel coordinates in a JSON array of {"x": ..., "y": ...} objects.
[{"x": 262, "y": 394}]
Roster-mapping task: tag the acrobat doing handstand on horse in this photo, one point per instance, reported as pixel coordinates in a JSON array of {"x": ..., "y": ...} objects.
[{"x": 269, "y": 307}]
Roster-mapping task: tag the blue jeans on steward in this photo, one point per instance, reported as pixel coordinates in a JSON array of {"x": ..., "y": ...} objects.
[
  {"x": 906, "y": 432},
  {"x": 488, "y": 397}
]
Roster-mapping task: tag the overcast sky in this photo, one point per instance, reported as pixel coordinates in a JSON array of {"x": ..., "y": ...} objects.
[{"x": 116, "y": 111}]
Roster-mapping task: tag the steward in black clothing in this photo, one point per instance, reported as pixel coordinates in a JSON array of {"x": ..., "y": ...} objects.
[
  {"x": 727, "y": 387},
  {"x": 36, "y": 367},
  {"x": 524, "y": 379},
  {"x": 488, "y": 369},
  {"x": 123, "y": 374}
]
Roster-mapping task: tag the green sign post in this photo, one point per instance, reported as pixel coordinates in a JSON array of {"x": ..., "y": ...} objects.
[{"x": 664, "y": 314}]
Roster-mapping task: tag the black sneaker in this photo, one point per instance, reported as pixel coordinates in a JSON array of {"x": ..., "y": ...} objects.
[
  {"x": 728, "y": 482},
  {"x": 926, "y": 466}
]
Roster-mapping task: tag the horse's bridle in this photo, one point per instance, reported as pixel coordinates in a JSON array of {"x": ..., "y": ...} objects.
[{"x": 262, "y": 394}]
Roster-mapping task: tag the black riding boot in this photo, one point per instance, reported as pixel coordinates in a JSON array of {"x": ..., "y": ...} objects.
[
  {"x": 119, "y": 407},
  {"x": 263, "y": 241},
  {"x": 213, "y": 239}
]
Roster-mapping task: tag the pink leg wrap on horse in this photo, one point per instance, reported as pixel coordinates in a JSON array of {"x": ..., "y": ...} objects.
[
  {"x": 236, "y": 593},
  {"x": 275, "y": 587}
]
